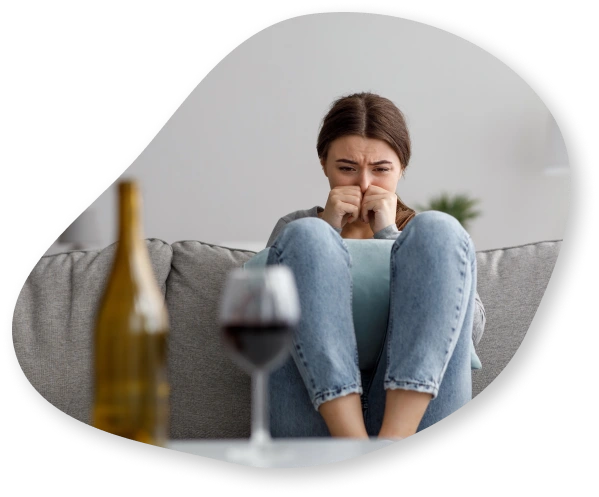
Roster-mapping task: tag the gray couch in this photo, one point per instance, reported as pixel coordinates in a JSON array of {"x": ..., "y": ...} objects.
[{"x": 210, "y": 396}]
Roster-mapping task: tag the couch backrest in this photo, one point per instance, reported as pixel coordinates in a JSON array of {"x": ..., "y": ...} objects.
[
  {"x": 210, "y": 396},
  {"x": 511, "y": 283}
]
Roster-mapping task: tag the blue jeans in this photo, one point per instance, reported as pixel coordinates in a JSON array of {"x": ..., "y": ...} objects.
[{"x": 427, "y": 343}]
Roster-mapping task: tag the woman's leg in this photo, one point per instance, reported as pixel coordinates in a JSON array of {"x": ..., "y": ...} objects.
[
  {"x": 316, "y": 392},
  {"x": 427, "y": 348}
]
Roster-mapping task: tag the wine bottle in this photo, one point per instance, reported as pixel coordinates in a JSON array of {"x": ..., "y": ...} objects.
[{"x": 130, "y": 371}]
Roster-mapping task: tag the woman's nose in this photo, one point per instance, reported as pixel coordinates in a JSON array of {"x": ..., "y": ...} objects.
[{"x": 364, "y": 182}]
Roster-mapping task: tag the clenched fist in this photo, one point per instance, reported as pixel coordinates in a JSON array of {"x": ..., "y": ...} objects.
[
  {"x": 343, "y": 206},
  {"x": 378, "y": 207}
]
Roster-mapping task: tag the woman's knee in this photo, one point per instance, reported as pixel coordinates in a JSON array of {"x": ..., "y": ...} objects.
[
  {"x": 435, "y": 230},
  {"x": 307, "y": 230},
  {"x": 435, "y": 220}
]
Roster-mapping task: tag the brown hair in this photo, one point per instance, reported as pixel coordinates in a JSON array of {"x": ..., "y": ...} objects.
[{"x": 370, "y": 116}]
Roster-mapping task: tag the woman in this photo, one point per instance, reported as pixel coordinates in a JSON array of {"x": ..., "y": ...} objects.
[{"x": 423, "y": 372}]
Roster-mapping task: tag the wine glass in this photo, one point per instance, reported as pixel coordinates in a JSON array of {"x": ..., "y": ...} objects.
[{"x": 259, "y": 311}]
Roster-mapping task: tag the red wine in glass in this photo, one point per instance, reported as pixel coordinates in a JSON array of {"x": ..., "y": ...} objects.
[
  {"x": 258, "y": 346},
  {"x": 259, "y": 311}
]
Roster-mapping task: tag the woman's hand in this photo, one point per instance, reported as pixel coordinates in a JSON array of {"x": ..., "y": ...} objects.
[
  {"x": 378, "y": 208},
  {"x": 343, "y": 206}
]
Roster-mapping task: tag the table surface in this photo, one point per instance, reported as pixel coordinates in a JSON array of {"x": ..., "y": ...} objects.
[{"x": 288, "y": 453}]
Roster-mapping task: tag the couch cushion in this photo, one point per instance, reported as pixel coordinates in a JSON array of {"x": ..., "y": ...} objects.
[
  {"x": 210, "y": 394},
  {"x": 511, "y": 284},
  {"x": 54, "y": 321}
]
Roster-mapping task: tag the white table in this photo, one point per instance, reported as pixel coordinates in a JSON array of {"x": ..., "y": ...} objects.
[{"x": 299, "y": 452}]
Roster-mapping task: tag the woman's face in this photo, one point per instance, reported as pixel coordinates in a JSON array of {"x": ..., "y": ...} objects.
[{"x": 355, "y": 160}]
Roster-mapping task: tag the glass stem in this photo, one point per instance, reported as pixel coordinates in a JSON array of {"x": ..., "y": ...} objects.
[{"x": 260, "y": 431}]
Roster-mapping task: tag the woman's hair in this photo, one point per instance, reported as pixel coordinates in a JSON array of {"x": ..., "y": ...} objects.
[{"x": 370, "y": 116}]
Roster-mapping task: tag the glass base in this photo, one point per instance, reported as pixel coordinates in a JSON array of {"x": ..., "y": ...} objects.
[{"x": 260, "y": 454}]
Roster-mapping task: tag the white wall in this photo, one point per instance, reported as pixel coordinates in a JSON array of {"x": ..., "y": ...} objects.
[{"x": 240, "y": 152}]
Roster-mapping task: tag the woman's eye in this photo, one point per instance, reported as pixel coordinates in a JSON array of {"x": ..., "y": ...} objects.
[
  {"x": 345, "y": 168},
  {"x": 382, "y": 169}
]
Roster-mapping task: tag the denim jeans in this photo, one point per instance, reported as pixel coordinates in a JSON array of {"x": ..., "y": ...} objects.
[{"x": 427, "y": 343}]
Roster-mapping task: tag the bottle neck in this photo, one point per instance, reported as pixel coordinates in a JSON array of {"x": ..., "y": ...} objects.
[{"x": 130, "y": 226}]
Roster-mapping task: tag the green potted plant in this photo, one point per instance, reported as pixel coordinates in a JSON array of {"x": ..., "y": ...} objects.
[{"x": 460, "y": 206}]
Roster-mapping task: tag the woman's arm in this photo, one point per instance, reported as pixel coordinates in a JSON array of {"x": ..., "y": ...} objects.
[
  {"x": 281, "y": 223},
  {"x": 285, "y": 220}
]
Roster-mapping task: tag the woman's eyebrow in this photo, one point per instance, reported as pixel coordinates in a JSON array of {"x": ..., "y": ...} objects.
[{"x": 377, "y": 163}]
